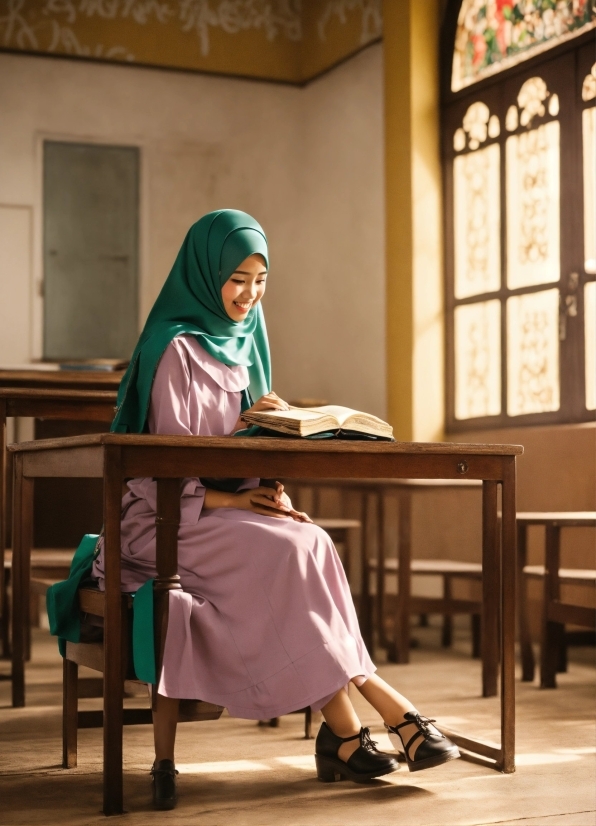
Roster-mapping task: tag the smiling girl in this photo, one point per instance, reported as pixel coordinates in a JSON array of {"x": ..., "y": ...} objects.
[{"x": 265, "y": 624}]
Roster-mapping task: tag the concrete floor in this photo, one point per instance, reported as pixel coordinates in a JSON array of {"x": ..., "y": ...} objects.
[{"x": 233, "y": 772}]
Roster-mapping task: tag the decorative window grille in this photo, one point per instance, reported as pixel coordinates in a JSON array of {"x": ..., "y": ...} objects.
[{"x": 519, "y": 159}]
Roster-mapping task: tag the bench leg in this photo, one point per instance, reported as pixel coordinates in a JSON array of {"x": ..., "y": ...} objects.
[
  {"x": 401, "y": 649},
  {"x": 476, "y": 646},
  {"x": 308, "y": 724},
  {"x": 562, "y": 658},
  {"x": 70, "y": 710},
  {"x": 525, "y": 639},
  {"x": 5, "y": 622},
  {"x": 21, "y": 576},
  {"x": 447, "y": 632},
  {"x": 551, "y": 631}
]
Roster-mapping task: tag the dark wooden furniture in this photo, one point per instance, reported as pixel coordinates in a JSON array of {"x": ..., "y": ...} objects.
[
  {"x": 37, "y": 379},
  {"x": 373, "y": 609},
  {"x": 92, "y": 654},
  {"x": 57, "y": 399},
  {"x": 554, "y": 612},
  {"x": 116, "y": 457},
  {"x": 447, "y": 605}
]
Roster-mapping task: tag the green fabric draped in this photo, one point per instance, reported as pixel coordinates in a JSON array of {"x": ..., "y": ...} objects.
[
  {"x": 190, "y": 303},
  {"x": 62, "y": 603}
]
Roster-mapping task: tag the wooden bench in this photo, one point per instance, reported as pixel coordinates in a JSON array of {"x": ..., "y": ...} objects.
[
  {"x": 47, "y": 566},
  {"x": 46, "y": 395},
  {"x": 448, "y": 570},
  {"x": 555, "y": 614}
]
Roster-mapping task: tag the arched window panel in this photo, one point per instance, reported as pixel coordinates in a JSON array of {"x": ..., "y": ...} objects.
[
  {"x": 477, "y": 209},
  {"x": 519, "y": 159},
  {"x": 532, "y": 186},
  {"x": 494, "y": 35},
  {"x": 589, "y": 160}
]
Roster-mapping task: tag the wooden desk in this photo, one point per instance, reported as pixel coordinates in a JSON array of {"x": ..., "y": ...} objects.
[
  {"x": 168, "y": 459},
  {"x": 554, "y": 612},
  {"x": 57, "y": 402},
  {"x": 62, "y": 379}
]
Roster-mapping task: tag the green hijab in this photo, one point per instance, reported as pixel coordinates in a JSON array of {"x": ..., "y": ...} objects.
[{"x": 190, "y": 303}]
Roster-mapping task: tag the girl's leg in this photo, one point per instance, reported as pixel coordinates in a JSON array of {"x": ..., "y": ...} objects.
[
  {"x": 392, "y": 706},
  {"x": 343, "y": 721},
  {"x": 165, "y": 720}
]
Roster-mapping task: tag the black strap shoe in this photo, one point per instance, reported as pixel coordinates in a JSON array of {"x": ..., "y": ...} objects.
[
  {"x": 164, "y": 784},
  {"x": 434, "y": 749},
  {"x": 364, "y": 764}
]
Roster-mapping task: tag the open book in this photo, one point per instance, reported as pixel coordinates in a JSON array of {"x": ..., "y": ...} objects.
[{"x": 308, "y": 421}]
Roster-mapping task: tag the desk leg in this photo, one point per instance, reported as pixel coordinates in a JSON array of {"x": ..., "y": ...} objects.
[
  {"x": 21, "y": 576},
  {"x": 490, "y": 590},
  {"x": 167, "y": 524},
  {"x": 382, "y": 640},
  {"x": 113, "y": 655},
  {"x": 552, "y": 632},
  {"x": 4, "y": 621},
  {"x": 404, "y": 579},
  {"x": 507, "y": 589},
  {"x": 525, "y": 638},
  {"x": 366, "y": 611}
]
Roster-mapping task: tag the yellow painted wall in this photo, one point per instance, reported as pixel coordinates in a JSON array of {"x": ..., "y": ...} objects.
[
  {"x": 281, "y": 40},
  {"x": 414, "y": 286}
]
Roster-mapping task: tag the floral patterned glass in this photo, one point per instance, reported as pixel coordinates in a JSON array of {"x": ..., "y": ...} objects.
[
  {"x": 478, "y": 359},
  {"x": 590, "y": 332},
  {"x": 533, "y": 206},
  {"x": 533, "y": 353},
  {"x": 477, "y": 215},
  {"x": 589, "y": 141},
  {"x": 495, "y": 34}
]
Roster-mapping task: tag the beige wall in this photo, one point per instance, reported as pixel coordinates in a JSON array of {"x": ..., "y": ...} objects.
[
  {"x": 305, "y": 162},
  {"x": 414, "y": 270}
]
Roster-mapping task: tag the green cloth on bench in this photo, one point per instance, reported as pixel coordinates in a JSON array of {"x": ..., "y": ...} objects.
[{"x": 64, "y": 614}]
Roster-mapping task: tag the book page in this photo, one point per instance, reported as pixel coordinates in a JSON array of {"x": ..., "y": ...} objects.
[
  {"x": 337, "y": 411},
  {"x": 298, "y": 414}
]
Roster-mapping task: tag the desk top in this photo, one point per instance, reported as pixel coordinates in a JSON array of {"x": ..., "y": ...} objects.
[
  {"x": 74, "y": 379},
  {"x": 58, "y": 394},
  {"x": 375, "y": 484},
  {"x": 265, "y": 444}
]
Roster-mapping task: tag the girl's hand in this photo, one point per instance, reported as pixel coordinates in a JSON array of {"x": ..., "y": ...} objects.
[
  {"x": 297, "y": 516},
  {"x": 270, "y": 401},
  {"x": 269, "y": 502}
]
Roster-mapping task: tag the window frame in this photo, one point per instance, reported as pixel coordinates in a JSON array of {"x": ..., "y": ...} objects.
[{"x": 495, "y": 91}]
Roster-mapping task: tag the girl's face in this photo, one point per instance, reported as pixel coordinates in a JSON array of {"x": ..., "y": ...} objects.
[{"x": 245, "y": 287}]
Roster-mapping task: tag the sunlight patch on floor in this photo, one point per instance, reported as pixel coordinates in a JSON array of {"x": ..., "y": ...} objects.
[
  {"x": 543, "y": 759},
  {"x": 223, "y": 766}
]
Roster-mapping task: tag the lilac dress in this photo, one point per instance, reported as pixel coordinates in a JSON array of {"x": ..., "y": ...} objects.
[{"x": 264, "y": 624}]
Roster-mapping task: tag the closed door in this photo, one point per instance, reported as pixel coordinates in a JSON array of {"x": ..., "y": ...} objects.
[{"x": 91, "y": 206}]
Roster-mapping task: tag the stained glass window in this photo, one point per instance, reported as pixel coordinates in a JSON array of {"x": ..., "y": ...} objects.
[
  {"x": 493, "y": 35},
  {"x": 477, "y": 222},
  {"x": 533, "y": 353},
  {"x": 478, "y": 360},
  {"x": 520, "y": 171}
]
